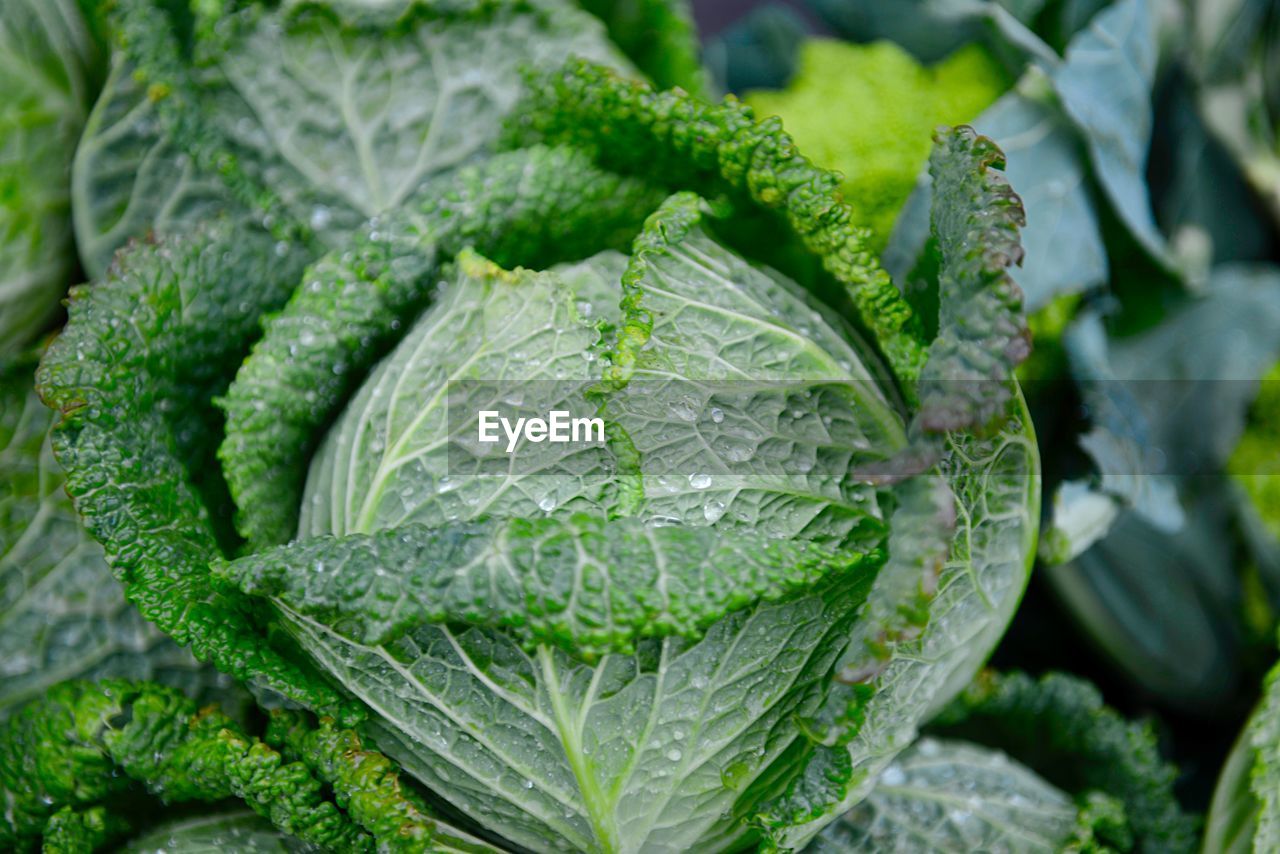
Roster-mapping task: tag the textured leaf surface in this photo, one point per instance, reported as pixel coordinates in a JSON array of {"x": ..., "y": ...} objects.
[
  {"x": 62, "y": 615},
  {"x": 530, "y": 206},
  {"x": 368, "y": 785},
  {"x": 590, "y": 585},
  {"x": 132, "y": 374},
  {"x": 47, "y": 74},
  {"x": 1061, "y": 727},
  {"x": 83, "y": 744},
  {"x": 629, "y": 127},
  {"x": 982, "y": 333},
  {"x": 1264, "y": 738},
  {"x": 954, "y": 797},
  {"x": 673, "y": 745},
  {"x": 669, "y": 748},
  {"x": 996, "y": 484},
  {"x": 717, "y": 383},
  {"x": 338, "y": 122},
  {"x": 240, "y": 831}
]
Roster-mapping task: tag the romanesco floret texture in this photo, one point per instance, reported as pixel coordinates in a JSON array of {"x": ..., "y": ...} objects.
[{"x": 845, "y": 108}]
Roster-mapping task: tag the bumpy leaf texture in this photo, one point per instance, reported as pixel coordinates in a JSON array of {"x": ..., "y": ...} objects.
[
  {"x": 720, "y": 731},
  {"x": 62, "y": 615},
  {"x": 952, "y": 796},
  {"x": 335, "y": 117}
]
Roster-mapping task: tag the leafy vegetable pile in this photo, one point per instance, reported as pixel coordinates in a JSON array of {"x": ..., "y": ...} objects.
[{"x": 321, "y": 237}]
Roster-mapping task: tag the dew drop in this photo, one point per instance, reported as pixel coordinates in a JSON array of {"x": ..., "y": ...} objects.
[{"x": 712, "y": 511}]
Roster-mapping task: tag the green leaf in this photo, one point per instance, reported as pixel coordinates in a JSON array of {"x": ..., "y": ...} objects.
[
  {"x": 239, "y": 831},
  {"x": 368, "y": 785},
  {"x": 132, "y": 374},
  {"x": 996, "y": 484},
  {"x": 528, "y": 206},
  {"x": 62, "y": 615},
  {"x": 659, "y": 36},
  {"x": 1264, "y": 739},
  {"x": 1059, "y": 726},
  {"x": 1104, "y": 84},
  {"x": 672, "y": 747},
  {"x": 334, "y": 121},
  {"x": 723, "y": 364},
  {"x": 85, "y": 744},
  {"x": 48, "y": 73},
  {"x": 129, "y": 179},
  {"x": 628, "y": 127},
  {"x": 1233, "y": 813},
  {"x": 967, "y": 381},
  {"x": 589, "y": 585},
  {"x": 951, "y": 796},
  {"x": 1062, "y": 238}
]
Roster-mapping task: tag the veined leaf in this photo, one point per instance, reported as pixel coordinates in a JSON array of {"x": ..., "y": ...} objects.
[
  {"x": 996, "y": 484},
  {"x": 670, "y": 747},
  {"x": 62, "y": 615},
  {"x": 590, "y": 585},
  {"x": 239, "y": 831},
  {"x": 536, "y": 205},
  {"x": 566, "y": 763},
  {"x": 724, "y": 340},
  {"x": 951, "y": 796},
  {"x": 336, "y": 122},
  {"x": 132, "y": 375},
  {"x": 967, "y": 381},
  {"x": 1233, "y": 813}
]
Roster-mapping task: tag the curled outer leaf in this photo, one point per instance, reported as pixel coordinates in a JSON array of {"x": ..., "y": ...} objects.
[
  {"x": 535, "y": 205},
  {"x": 982, "y": 335},
  {"x": 62, "y": 615},
  {"x": 367, "y": 785},
  {"x": 1060, "y": 727},
  {"x": 590, "y": 585},
  {"x": 85, "y": 742},
  {"x": 714, "y": 148},
  {"x": 131, "y": 375}
]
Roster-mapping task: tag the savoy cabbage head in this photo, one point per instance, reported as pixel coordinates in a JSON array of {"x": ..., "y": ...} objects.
[{"x": 804, "y": 527}]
